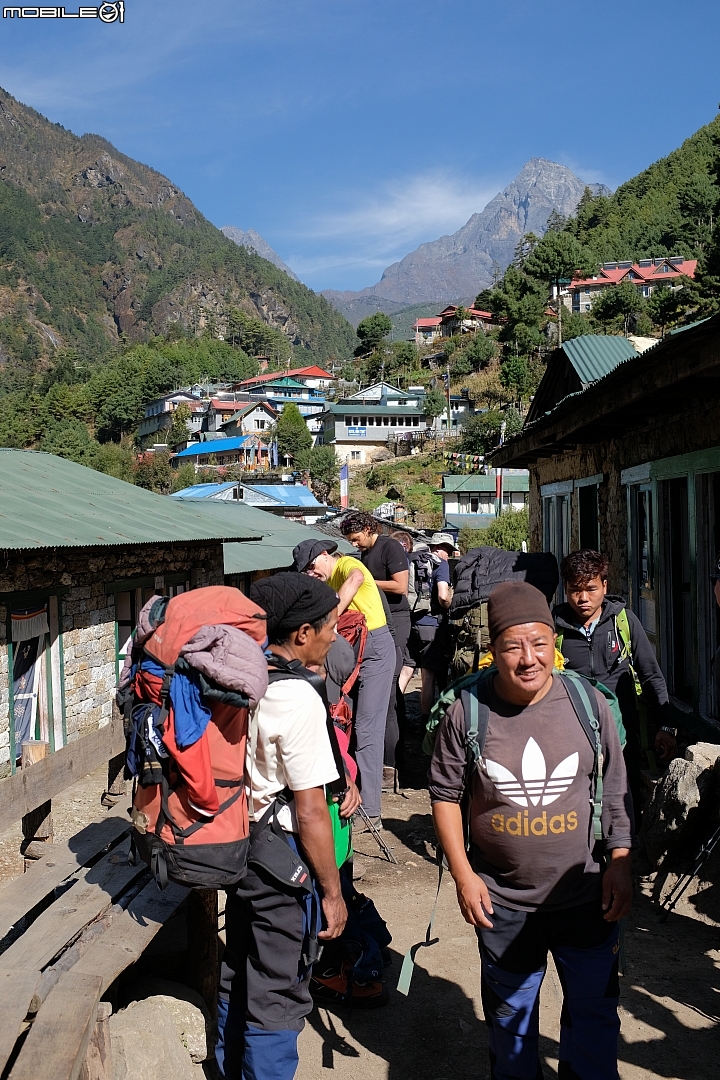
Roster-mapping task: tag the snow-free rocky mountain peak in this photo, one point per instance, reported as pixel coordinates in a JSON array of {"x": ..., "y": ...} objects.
[
  {"x": 253, "y": 241},
  {"x": 457, "y": 267}
]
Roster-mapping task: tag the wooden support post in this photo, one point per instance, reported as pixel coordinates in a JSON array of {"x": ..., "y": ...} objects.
[
  {"x": 116, "y": 765},
  {"x": 98, "y": 1063},
  {"x": 115, "y": 782},
  {"x": 37, "y": 826},
  {"x": 202, "y": 922}
]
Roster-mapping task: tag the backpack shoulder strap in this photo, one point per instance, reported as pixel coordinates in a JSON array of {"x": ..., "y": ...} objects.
[
  {"x": 622, "y": 626},
  {"x": 477, "y": 718},
  {"x": 293, "y": 669},
  {"x": 584, "y": 702}
]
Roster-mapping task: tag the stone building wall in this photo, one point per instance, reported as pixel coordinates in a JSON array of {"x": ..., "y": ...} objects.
[
  {"x": 87, "y": 615},
  {"x": 696, "y": 426}
]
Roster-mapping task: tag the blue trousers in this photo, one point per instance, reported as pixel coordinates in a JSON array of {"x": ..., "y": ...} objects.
[{"x": 513, "y": 963}]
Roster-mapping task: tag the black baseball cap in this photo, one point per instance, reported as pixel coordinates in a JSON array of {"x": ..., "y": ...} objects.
[{"x": 307, "y": 552}]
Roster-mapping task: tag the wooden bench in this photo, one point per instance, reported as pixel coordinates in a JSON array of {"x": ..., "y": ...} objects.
[{"x": 78, "y": 917}]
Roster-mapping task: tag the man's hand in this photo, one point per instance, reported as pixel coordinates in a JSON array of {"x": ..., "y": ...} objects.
[
  {"x": 666, "y": 747},
  {"x": 351, "y": 801},
  {"x": 474, "y": 900},
  {"x": 617, "y": 888},
  {"x": 335, "y": 915}
]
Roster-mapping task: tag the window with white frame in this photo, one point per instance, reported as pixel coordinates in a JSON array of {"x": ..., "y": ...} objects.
[{"x": 35, "y": 666}]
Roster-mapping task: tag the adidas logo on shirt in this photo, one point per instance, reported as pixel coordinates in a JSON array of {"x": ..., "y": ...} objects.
[{"x": 533, "y": 788}]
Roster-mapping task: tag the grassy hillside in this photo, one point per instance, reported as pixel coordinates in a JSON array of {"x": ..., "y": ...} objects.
[{"x": 98, "y": 250}]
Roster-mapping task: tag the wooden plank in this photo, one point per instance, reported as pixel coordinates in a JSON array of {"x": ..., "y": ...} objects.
[
  {"x": 58, "y": 1039},
  {"x": 16, "y": 990},
  {"x": 23, "y": 893},
  {"x": 73, "y": 911},
  {"x": 98, "y": 1064},
  {"x": 130, "y": 933},
  {"x": 37, "y": 826},
  {"x": 26, "y": 790}
]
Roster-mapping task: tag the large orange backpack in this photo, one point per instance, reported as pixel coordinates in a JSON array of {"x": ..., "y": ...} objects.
[{"x": 190, "y": 815}]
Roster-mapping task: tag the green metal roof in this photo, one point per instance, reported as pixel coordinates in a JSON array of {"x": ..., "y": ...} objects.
[
  {"x": 48, "y": 502},
  {"x": 593, "y": 355},
  {"x": 478, "y": 482},
  {"x": 356, "y": 408},
  {"x": 279, "y": 537}
]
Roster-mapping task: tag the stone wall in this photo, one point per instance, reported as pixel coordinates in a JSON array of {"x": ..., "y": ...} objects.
[
  {"x": 694, "y": 427},
  {"x": 87, "y": 615}
]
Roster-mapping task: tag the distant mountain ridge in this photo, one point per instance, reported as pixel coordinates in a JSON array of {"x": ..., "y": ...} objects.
[
  {"x": 96, "y": 248},
  {"x": 253, "y": 241},
  {"x": 458, "y": 266}
]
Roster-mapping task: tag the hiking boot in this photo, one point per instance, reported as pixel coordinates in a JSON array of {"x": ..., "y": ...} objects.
[
  {"x": 335, "y": 987},
  {"x": 389, "y": 780},
  {"x": 360, "y": 825}
]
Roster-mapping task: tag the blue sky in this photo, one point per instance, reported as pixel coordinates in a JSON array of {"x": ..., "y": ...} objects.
[{"x": 349, "y": 131}]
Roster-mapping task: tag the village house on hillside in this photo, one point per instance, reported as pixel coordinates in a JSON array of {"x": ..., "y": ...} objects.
[
  {"x": 81, "y": 553},
  {"x": 427, "y": 330},
  {"x": 630, "y": 464},
  {"x": 358, "y": 431},
  {"x": 471, "y": 501},
  {"x": 249, "y": 451},
  {"x": 314, "y": 377},
  {"x": 472, "y": 320},
  {"x": 646, "y": 275}
]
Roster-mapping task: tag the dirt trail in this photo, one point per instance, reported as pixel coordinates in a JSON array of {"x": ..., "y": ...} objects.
[{"x": 670, "y": 997}]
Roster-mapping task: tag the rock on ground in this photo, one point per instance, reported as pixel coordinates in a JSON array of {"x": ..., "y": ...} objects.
[
  {"x": 186, "y": 1008},
  {"x": 145, "y": 1044},
  {"x": 672, "y": 815}
]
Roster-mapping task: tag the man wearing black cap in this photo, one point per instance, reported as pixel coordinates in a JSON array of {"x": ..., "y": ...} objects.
[
  {"x": 532, "y": 879},
  {"x": 357, "y": 590},
  {"x": 264, "y": 989}
]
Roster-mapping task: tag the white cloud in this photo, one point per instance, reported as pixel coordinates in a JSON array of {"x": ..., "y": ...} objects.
[{"x": 407, "y": 210}]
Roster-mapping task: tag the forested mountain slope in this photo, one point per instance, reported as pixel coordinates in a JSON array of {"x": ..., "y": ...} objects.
[
  {"x": 96, "y": 248},
  {"x": 668, "y": 209}
]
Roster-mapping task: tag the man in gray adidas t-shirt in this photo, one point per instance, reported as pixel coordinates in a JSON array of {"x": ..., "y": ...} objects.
[{"x": 535, "y": 881}]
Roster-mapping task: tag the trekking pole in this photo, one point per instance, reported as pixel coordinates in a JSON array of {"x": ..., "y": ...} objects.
[
  {"x": 677, "y": 890},
  {"x": 381, "y": 843}
]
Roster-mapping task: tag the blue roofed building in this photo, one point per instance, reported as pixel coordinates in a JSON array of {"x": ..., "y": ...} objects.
[
  {"x": 292, "y": 501},
  {"x": 245, "y": 450}
]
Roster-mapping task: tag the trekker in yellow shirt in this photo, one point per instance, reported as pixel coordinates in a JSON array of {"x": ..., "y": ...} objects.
[{"x": 357, "y": 590}]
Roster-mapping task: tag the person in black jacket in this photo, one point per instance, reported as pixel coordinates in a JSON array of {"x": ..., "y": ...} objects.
[{"x": 592, "y": 644}]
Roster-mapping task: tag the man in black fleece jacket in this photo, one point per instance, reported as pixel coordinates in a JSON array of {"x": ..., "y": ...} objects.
[{"x": 592, "y": 645}]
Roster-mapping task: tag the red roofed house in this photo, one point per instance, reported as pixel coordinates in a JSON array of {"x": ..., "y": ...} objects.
[
  {"x": 646, "y": 275},
  {"x": 427, "y": 330},
  {"x": 474, "y": 319},
  {"x": 312, "y": 376}
]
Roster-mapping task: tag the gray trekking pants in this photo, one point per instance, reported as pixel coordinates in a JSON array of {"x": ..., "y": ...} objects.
[{"x": 375, "y": 685}]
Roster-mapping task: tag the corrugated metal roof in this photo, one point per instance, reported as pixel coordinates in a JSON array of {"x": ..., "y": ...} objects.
[
  {"x": 478, "y": 482},
  {"x": 356, "y": 408},
  {"x": 593, "y": 355},
  {"x": 48, "y": 502},
  {"x": 203, "y": 491},
  {"x": 469, "y": 521},
  {"x": 279, "y": 537},
  {"x": 219, "y": 446},
  {"x": 288, "y": 494}
]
